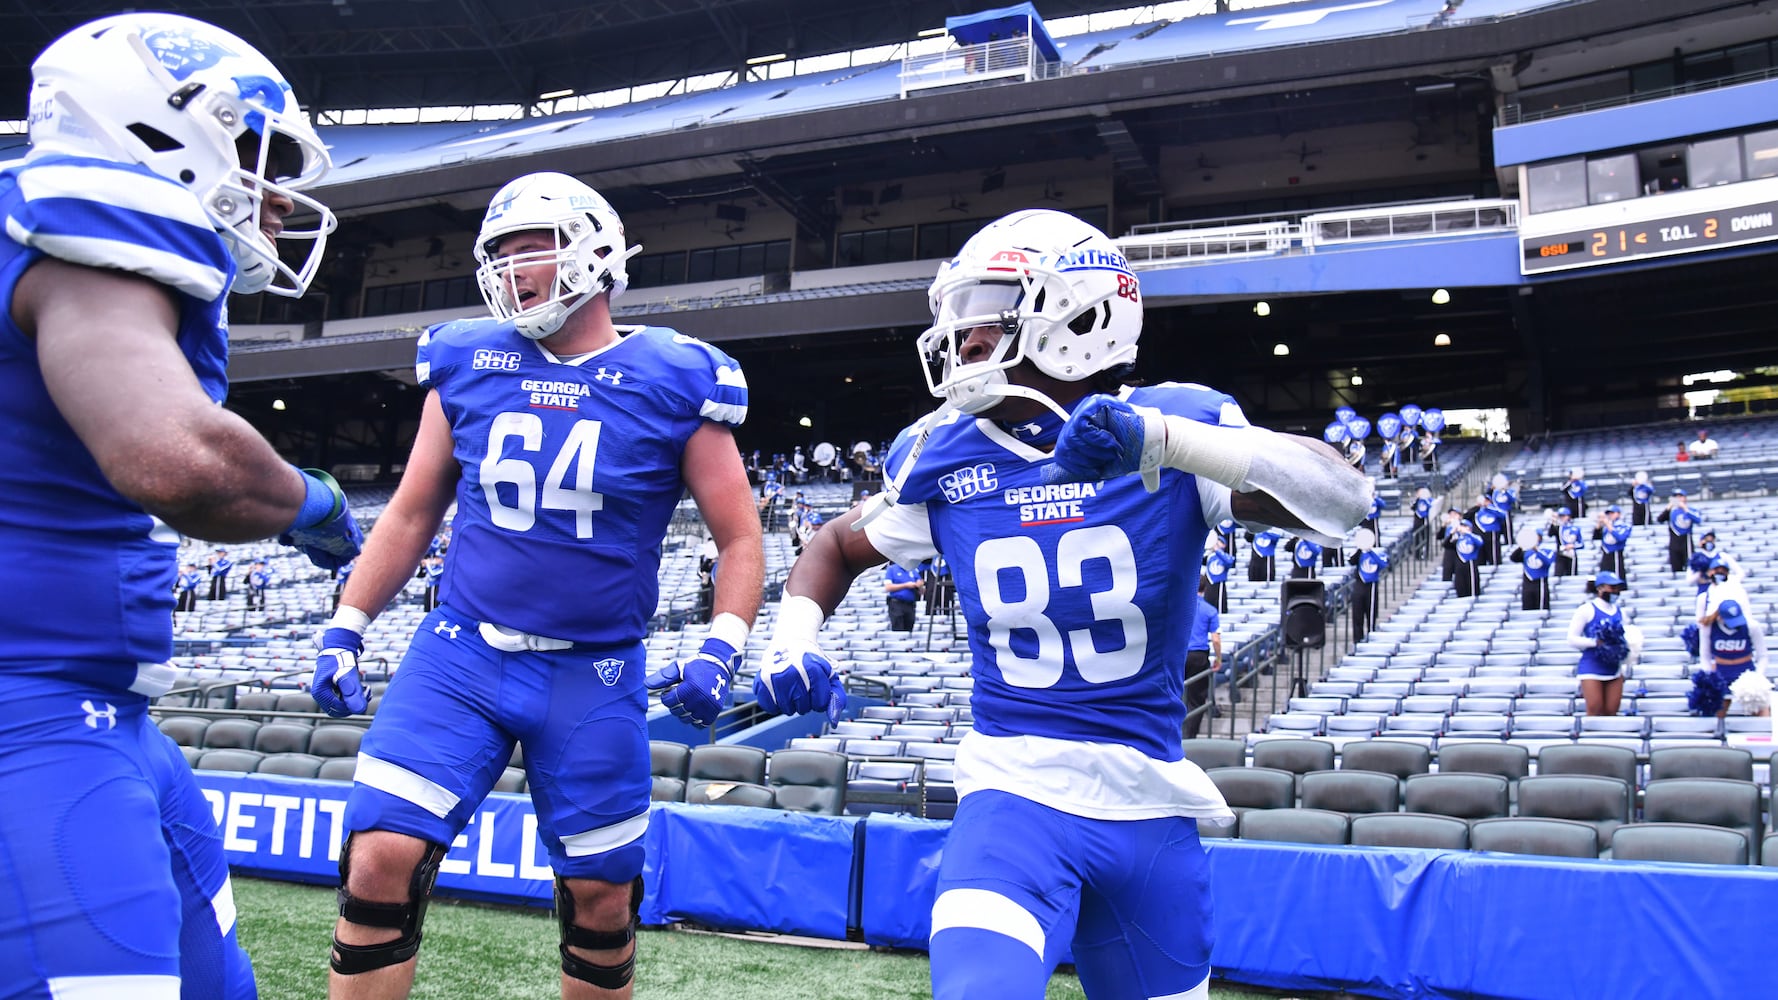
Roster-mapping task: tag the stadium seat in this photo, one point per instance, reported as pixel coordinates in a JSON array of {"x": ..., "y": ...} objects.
[
  {"x": 336, "y": 741},
  {"x": 1410, "y": 830},
  {"x": 1464, "y": 796},
  {"x": 511, "y": 780},
  {"x": 264, "y": 701},
  {"x": 230, "y": 759},
  {"x": 812, "y": 781},
  {"x": 337, "y": 768},
  {"x": 295, "y": 765},
  {"x": 1558, "y": 838},
  {"x": 1209, "y": 753},
  {"x": 231, "y": 734},
  {"x": 1687, "y": 842},
  {"x": 1724, "y": 802},
  {"x": 1394, "y": 757},
  {"x": 668, "y": 760},
  {"x": 1504, "y": 759},
  {"x": 1298, "y": 757},
  {"x": 1603, "y": 803},
  {"x": 1255, "y": 787},
  {"x": 1768, "y": 854},
  {"x": 731, "y": 793},
  {"x": 666, "y": 789},
  {"x": 1295, "y": 826},
  {"x": 1351, "y": 792},
  {"x": 297, "y": 701},
  {"x": 185, "y": 730},
  {"x": 1578, "y": 758},
  {"x": 191, "y": 754},
  {"x": 282, "y": 737},
  {"x": 517, "y": 757},
  {"x": 720, "y": 762},
  {"x": 1700, "y": 762}
]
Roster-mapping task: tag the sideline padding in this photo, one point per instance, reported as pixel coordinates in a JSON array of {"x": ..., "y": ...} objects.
[{"x": 1387, "y": 922}]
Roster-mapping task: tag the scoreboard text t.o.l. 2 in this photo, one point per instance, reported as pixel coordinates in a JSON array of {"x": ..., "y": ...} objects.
[{"x": 1653, "y": 238}]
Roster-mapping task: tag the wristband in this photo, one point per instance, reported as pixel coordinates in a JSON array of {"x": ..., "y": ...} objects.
[
  {"x": 350, "y": 619},
  {"x": 799, "y": 621},
  {"x": 729, "y": 628},
  {"x": 322, "y": 500}
]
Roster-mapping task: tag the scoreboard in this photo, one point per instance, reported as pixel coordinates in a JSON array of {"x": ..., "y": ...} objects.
[{"x": 1659, "y": 237}]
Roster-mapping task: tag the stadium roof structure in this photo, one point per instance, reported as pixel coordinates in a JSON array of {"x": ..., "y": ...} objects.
[{"x": 352, "y": 54}]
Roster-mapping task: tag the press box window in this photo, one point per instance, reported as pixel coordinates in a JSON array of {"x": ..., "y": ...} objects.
[
  {"x": 1556, "y": 186},
  {"x": 1762, "y": 154},
  {"x": 1612, "y": 178},
  {"x": 1710, "y": 162}
]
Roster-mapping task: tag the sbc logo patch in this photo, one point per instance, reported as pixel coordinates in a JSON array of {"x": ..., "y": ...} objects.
[
  {"x": 961, "y": 484},
  {"x": 497, "y": 361}
]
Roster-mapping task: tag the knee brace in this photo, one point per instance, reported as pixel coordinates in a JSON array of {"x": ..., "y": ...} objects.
[
  {"x": 352, "y": 959},
  {"x": 606, "y": 977}
]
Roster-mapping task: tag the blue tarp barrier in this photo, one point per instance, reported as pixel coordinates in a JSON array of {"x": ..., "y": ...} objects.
[
  {"x": 754, "y": 869},
  {"x": 1001, "y": 23},
  {"x": 1392, "y": 923}
]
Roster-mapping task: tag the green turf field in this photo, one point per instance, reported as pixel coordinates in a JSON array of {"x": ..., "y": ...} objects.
[{"x": 488, "y": 953}]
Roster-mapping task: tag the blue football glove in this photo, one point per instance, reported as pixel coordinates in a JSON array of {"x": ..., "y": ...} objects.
[
  {"x": 798, "y": 679},
  {"x": 696, "y": 688},
  {"x": 1103, "y": 439},
  {"x": 337, "y": 686},
  {"x": 324, "y": 529}
]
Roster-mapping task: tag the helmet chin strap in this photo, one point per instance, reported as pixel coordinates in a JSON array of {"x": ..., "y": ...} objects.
[{"x": 556, "y": 323}]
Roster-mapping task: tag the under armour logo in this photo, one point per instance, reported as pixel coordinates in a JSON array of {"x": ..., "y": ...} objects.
[
  {"x": 716, "y": 688},
  {"x": 446, "y": 629},
  {"x": 607, "y": 375},
  {"x": 94, "y": 714},
  {"x": 1031, "y": 429}
]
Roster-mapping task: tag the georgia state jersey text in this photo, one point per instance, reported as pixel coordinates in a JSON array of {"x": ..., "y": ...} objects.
[{"x": 570, "y": 471}]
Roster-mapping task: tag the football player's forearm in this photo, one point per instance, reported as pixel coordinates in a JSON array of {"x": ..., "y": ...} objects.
[
  {"x": 218, "y": 480},
  {"x": 1306, "y": 477},
  {"x": 740, "y": 578},
  {"x": 824, "y": 572},
  {"x": 391, "y": 555}
]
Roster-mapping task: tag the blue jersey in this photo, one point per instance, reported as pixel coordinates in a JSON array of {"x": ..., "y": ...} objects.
[
  {"x": 87, "y": 572},
  {"x": 1377, "y": 506},
  {"x": 1682, "y": 520},
  {"x": 1569, "y": 536},
  {"x": 1217, "y": 566},
  {"x": 1265, "y": 544},
  {"x": 221, "y": 567},
  {"x": 1207, "y": 623},
  {"x": 1490, "y": 518},
  {"x": 1422, "y": 508},
  {"x": 1469, "y": 546},
  {"x": 1371, "y": 565},
  {"x": 1078, "y": 614},
  {"x": 1589, "y": 658},
  {"x": 1642, "y": 493},
  {"x": 901, "y": 574},
  {"x": 1576, "y": 489},
  {"x": 1730, "y": 652},
  {"x": 1538, "y": 563},
  {"x": 1615, "y": 537},
  {"x": 259, "y": 579},
  {"x": 1306, "y": 553},
  {"x": 570, "y": 471}
]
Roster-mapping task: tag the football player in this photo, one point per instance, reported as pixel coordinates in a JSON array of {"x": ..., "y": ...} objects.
[
  {"x": 565, "y": 443},
  {"x": 166, "y": 156},
  {"x": 1078, "y": 818}
]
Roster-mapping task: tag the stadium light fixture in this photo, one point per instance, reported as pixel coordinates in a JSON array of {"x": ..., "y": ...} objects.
[
  {"x": 1357, "y": 379},
  {"x": 555, "y": 95},
  {"x": 1441, "y": 297},
  {"x": 762, "y": 60},
  {"x": 805, "y": 422},
  {"x": 1262, "y": 308},
  {"x": 1280, "y": 350},
  {"x": 932, "y": 33},
  {"x": 277, "y": 404},
  {"x": 1442, "y": 340}
]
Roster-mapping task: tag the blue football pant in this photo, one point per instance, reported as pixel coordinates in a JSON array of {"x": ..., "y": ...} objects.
[
  {"x": 446, "y": 728},
  {"x": 1020, "y": 882},
  {"x": 113, "y": 881}
]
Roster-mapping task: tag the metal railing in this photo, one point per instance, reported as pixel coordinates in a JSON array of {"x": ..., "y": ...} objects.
[
  {"x": 1514, "y": 113},
  {"x": 1004, "y": 59},
  {"x": 1205, "y": 241}
]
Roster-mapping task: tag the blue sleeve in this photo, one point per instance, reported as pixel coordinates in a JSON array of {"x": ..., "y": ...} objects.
[
  {"x": 1215, "y": 621},
  {"x": 121, "y": 217},
  {"x": 713, "y": 381}
]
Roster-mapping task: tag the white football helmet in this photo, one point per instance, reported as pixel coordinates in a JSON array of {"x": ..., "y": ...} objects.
[
  {"x": 200, "y": 107},
  {"x": 588, "y": 250},
  {"x": 1060, "y": 290}
]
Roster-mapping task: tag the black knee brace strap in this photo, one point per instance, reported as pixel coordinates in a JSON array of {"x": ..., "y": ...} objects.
[
  {"x": 352, "y": 959},
  {"x": 606, "y": 977}
]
